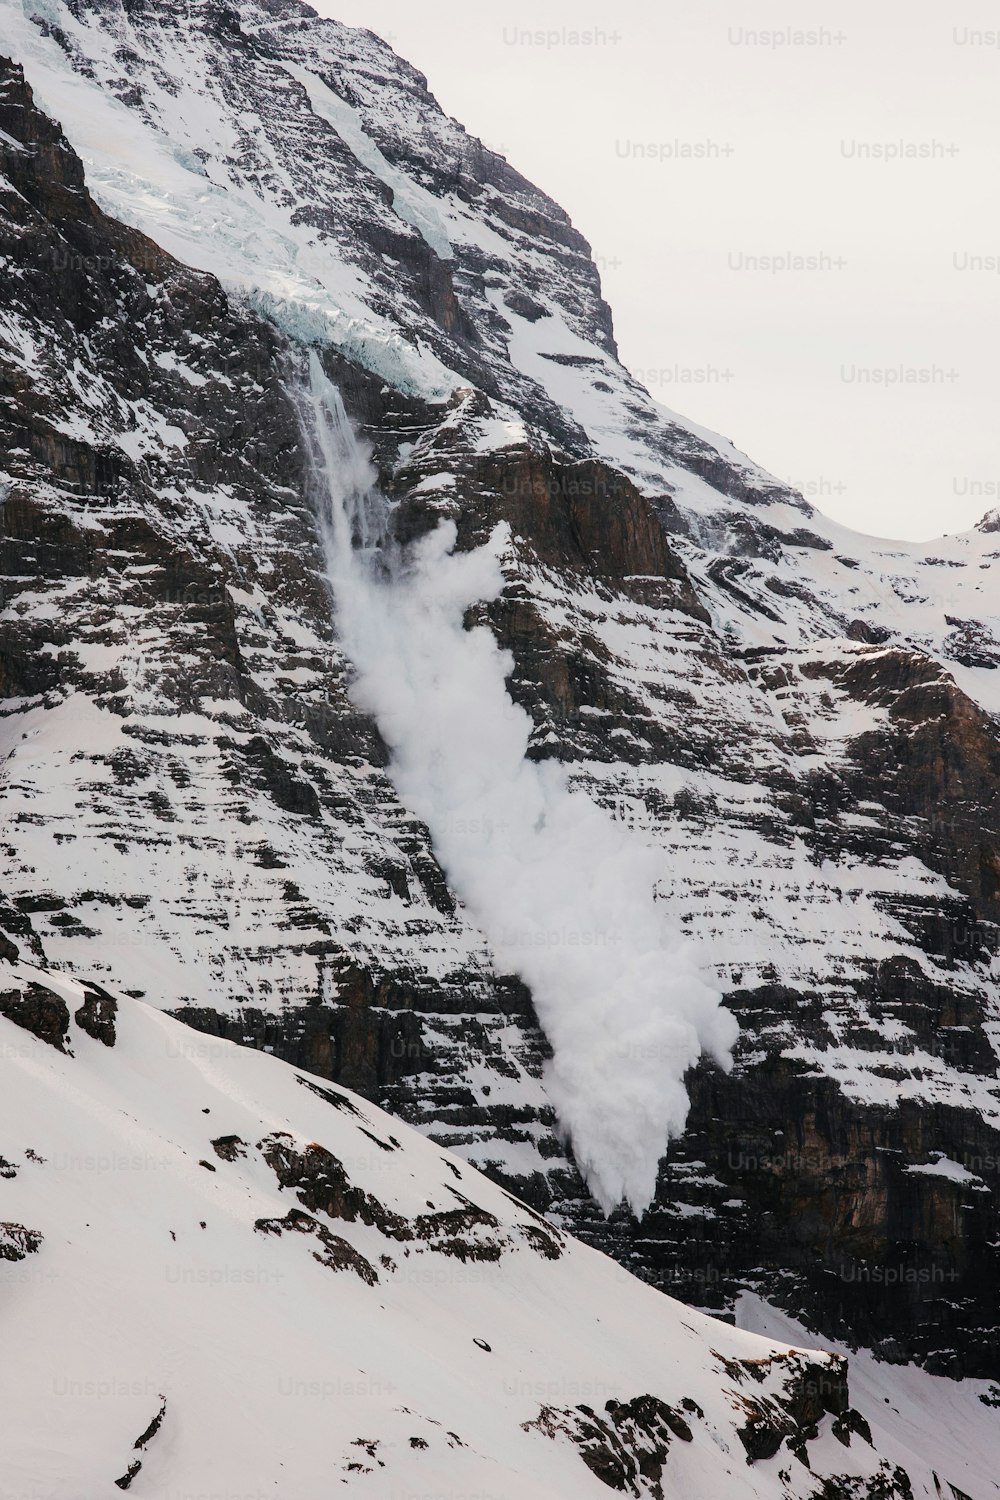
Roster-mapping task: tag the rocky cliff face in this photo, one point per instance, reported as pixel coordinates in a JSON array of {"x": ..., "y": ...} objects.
[{"x": 801, "y": 721}]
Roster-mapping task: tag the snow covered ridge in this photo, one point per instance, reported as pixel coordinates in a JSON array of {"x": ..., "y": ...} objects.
[
  {"x": 309, "y": 168},
  {"x": 220, "y": 1276}
]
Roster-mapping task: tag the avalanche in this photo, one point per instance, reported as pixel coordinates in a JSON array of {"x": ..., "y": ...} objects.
[{"x": 563, "y": 893}]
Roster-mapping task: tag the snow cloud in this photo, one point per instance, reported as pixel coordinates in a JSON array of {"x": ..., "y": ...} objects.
[{"x": 563, "y": 892}]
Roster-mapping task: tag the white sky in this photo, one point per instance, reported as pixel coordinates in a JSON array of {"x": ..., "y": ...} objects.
[{"x": 774, "y": 360}]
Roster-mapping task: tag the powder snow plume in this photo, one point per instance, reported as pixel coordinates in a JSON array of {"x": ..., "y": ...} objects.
[{"x": 562, "y": 891}]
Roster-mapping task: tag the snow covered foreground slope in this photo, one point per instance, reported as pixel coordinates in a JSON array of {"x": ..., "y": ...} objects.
[{"x": 218, "y": 1276}]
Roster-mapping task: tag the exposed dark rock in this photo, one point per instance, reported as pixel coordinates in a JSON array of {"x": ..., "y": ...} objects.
[
  {"x": 322, "y": 1185},
  {"x": 229, "y": 1147},
  {"x": 848, "y": 1423},
  {"x": 147, "y": 1436},
  {"x": 17, "y": 1243},
  {"x": 38, "y": 1010},
  {"x": 96, "y": 1015},
  {"x": 871, "y": 635},
  {"x": 335, "y": 1252},
  {"x": 626, "y": 1449}
]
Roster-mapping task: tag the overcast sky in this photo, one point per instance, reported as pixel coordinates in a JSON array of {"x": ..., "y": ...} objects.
[{"x": 866, "y": 142}]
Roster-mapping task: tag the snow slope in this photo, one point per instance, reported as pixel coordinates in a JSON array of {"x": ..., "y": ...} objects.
[{"x": 219, "y": 1277}]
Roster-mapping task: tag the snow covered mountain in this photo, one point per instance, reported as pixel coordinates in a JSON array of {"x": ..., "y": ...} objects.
[
  {"x": 791, "y": 729},
  {"x": 220, "y": 1276}
]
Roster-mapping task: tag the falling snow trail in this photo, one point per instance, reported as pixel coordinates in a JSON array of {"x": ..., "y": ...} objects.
[{"x": 563, "y": 892}]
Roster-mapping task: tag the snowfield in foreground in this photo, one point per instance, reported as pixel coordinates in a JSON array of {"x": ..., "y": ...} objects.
[{"x": 219, "y": 1276}]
